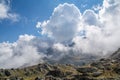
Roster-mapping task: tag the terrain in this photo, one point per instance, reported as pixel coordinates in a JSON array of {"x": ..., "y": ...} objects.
[{"x": 103, "y": 69}]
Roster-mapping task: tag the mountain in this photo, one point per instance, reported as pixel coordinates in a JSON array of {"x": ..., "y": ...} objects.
[
  {"x": 116, "y": 55},
  {"x": 103, "y": 69}
]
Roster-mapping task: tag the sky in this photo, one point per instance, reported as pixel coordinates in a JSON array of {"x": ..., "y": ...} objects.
[
  {"x": 28, "y": 15},
  {"x": 61, "y": 31}
]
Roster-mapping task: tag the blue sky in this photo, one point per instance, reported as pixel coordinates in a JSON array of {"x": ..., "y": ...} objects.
[{"x": 30, "y": 12}]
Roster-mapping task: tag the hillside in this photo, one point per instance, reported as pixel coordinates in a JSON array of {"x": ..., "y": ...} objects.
[
  {"x": 116, "y": 55},
  {"x": 103, "y": 69}
]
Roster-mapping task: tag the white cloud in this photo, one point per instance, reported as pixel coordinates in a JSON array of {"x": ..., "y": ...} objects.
[
  {"x": 59, "y": 51},
  {"x": 63, "y": 23},
  {"x": 5, "y": 11},
  {"x": 101, "y": 29},
  {"x": 60, "y": 47},
  {"x": 90, "y": 18},
  {"x": 26, "y": 37},
  {"x": 23, "y": 52},
  {"x": 97, "y": 7},
  {"x": 38, "y": 25}
]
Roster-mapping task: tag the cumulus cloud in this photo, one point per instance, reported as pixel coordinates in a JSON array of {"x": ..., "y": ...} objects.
[
  {"x": 5, "y": 11},
  {"x": 90, "y": 17},
  {"x": 100, "y": 31},
  {"x": 63, "y": 24},
  {"x": 23, "y": 52},
  {"x": 97, "y": 7}
]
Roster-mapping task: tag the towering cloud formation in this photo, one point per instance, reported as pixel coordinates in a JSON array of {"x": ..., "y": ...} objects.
[
  {"x": 73, "y": 34},
  {"x": 91, "y": 32}
]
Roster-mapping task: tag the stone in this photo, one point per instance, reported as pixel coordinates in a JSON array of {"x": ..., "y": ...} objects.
[{"x": 96, "y": 74}]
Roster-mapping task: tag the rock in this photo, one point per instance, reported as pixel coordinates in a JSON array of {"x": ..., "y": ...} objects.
[
  {"x": 110, "y": 79},
  {"x": 102, "y": 59},
  {"x": 16, "y": 78},
  {"x": 51, "y": 78},
  {"x": 7, "y": 73},
  {"x": 56, "y": 73},
  {"x": 86, "y": 69},
  {"x": 79, "y": 77},
  {"x": 115, "y": 55},
  {"x": 85, "y": 74},
  {"x": 44, "y": 66},
  {"x": 117, "y": 70},
  {"x": 27, "y": 73},
  {"x": 13, "y": 78},
  {"x": 3, "y": 78},
  {"x": 98, "y": 65},
  {"x": 39, "y": 69},
  {"x": 68, "y": 73},
  {"x": 96, "y": 74},
  {"x": 38, "y": 78}
]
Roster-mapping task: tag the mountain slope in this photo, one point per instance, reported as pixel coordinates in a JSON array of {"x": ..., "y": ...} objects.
[
  {"x": 116, "y": 55},
  {"x": 103, "y": 69}
]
